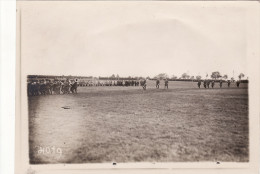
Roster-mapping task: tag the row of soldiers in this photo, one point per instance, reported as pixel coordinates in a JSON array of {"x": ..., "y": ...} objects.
[
  {"x": 111, "y": 83},
  {"x": 166, "y": 82},
  {"x": 125, "y": 83},
  {"x": 208, "y": 83},
  {"x": 46, "y": 87}
]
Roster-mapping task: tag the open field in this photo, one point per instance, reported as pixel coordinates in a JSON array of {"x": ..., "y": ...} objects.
[{"x": 128, "y": 124}]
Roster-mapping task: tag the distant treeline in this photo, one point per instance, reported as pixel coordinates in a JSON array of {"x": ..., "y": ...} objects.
[
  {"x": 112, "y": 78},
  {"x": 190, "y": 80}
]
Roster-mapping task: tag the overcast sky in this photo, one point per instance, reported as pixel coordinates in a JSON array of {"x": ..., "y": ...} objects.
[{"x": 133, "y": 39}]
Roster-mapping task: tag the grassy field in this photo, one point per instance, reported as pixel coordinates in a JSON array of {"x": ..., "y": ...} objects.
[{"x": 128, "y": 124}]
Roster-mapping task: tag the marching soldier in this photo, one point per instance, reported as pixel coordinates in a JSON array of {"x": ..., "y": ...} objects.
[
  {"x": 220, "y": 83},
  {"x": 228, "y": 83},
  {"x": 208, "y": 83},
  {"x": 157, "y": 83},
  {"x": 144, "y": 84},
  {"x": 199, "y": 83},
  {"x": 205, "y": 84},
  {"x": 212, "y": 84},
  {"x": 75, "y": 85},
  {"x": 238, "y": 83},
  {"x": 166, "y": 83}
]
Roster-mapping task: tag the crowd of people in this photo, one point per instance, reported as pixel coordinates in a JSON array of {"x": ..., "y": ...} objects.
[
  {"x": 111, "y": 83},
  {"x": 49, "y": 87},
  {"x": 46, "y": 87},
  {"x": 207, "y": 83}
]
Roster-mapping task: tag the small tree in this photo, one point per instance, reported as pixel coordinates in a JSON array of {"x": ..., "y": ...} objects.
[
  {"x": 215, "y": 75},
  {"x": 225, "y": 76},
  {"x": 192, "y": 77},
  {"x": 174, "y": 77},
  {"x": 185, "y": 76},
  {"x": 241, "y": 75},
  {"x": 161, "y": 76},
  {"x": 198, "y": 77}
]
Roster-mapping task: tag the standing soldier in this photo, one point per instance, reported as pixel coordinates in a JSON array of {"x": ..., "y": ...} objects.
[
  {"x": 228, "y": 83},
  {"x": 208, "y": 83},
  {"x": 61, "y": 86},
  {"x": 157, "y": 83},
  {"x": 212, "y": 84},
  {"x": 199, "y": 83},
  {"x": 238, "y": 83},
  {"x": 205, "y": 84},
  {"x": 166, "y": 83},
  {"x": 75, "y": 86},
  {"x": 144, "y": 84},
  {"x": 220, "y": 83},
  {"x": 37, "y": 88},
  {"x": 70, "y": 85}
]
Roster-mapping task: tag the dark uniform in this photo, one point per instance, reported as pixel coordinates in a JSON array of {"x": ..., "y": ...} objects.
[
  {"x": 238, "y": 83},
  {"x": 166, "y": 83},
  {"x": 205, "y": 84},
  {"x": 144, "y": 85},
  {"x": 208, "y": 83},
  {"x": 157, "y": 84},
  {"x": 75, "y": 85},
  {"x": 220, "y": 83},
  {"x": 228, "y": 83},
  {"x": 199, "y": 83},
  {"x": 212, "y": 84}
]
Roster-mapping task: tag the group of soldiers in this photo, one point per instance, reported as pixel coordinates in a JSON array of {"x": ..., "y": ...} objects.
[
  {"x": 208, "y": 83},
  {"x": 110, "y": 83},
  {"x": 166, "y": 82},
  {"x": 46, "y": 87},
  {"x": 121, "y": 83},
  {"x": 143, "y": 84}
]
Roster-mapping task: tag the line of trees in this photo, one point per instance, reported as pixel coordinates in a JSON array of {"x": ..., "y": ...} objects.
[{"x": 185, "y": 76}]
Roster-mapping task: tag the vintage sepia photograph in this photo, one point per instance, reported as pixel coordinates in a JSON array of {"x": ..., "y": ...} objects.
[{"x": 135, "y": 82}]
